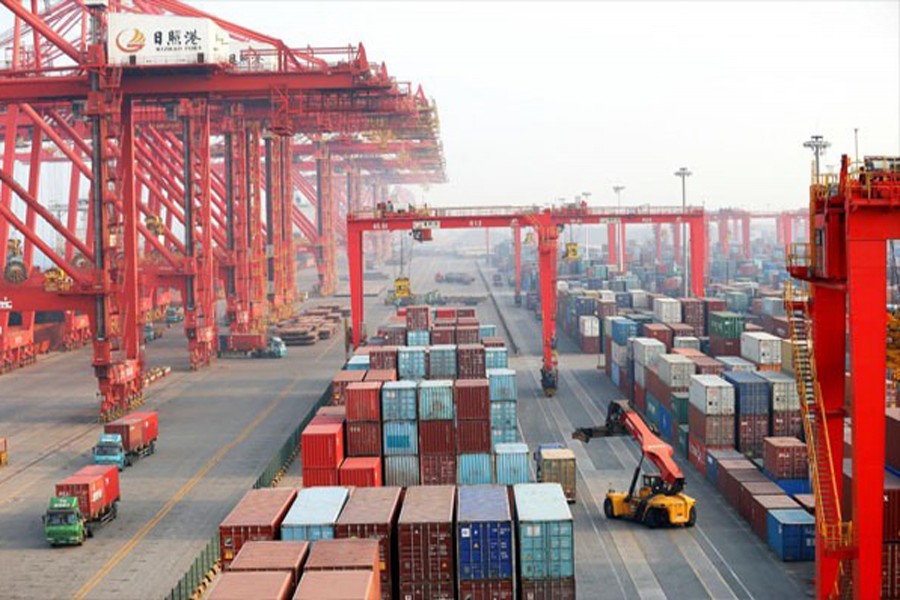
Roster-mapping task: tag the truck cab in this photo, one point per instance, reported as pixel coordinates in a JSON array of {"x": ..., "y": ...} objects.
[
  {"x": 276, "y": 348},
  {"x": 110, "y": 450},
  {"x": 173, "y": 315},
  {"x": 63, "y": 522}
]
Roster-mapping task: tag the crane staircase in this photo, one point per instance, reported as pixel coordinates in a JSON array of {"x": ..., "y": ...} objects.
[{"x": 835, "y": 533}]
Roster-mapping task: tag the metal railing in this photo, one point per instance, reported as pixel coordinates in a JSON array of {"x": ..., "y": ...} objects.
[{"x": 206, "y": 565}]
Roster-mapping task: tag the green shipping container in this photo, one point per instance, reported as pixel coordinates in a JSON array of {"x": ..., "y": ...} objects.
[
  {"x": 680, "y": 403},
  {"x": 683, "y": 440},
  {"x": 725, "y": 324}
]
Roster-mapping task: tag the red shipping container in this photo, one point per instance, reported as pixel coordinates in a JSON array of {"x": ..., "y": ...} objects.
[
  {"x": 436, "y": 437},
  {"x": 473, "y": 399},
  {"x": 724, "y": 346},
  {"x": 371, "y": 513},
  {"x": 656, "y": 387},
  {"x": 438, "y": 590},
  {"x": 781, "y": 327},
  {"x": 384, "y": 357},
  {"x": 493, "y": 342},
  {"x": 317, "y": 585},
  {"x": 681, "y": 330},
  {"x": 640, "y": 399},
  {"x": 96, "y": 487},
  {"x": 466, "y": 317},
  {"x": 381, "y": 375},
  {"x": 340, "y": 382},
  {"x": 486, "y": 589},
  {"x": 331, "y": 412},
  {"x": 697, "y": 453},
  {"x": 751, "y": 431},
  {"x": 438, "y": 469},
  {"x": 264, "y": 585},
  {"x": 890, "y": 570},
  {"x": 473, "y": 437},
  {"x": 714, "y": 431},
  {"x": 890, "y": 498},
  {"x": 729, "y": 483},
  {"x": 363, "y": 401},
  {"x": 322, "y": 446},
  {"x": 272, "y": 556},
  {"x": 444, "y": 313},
  {"x": 466, "y": 334},
  {"x": 692, "y": 314},
  {"x": 364, "y": 438},
  {"x": 426, "y": 534},
  {"x": 661, "y": 332},
  {"x": 321, "y": 477},
  {"x": 361, "y": 471},
  {"x": 138, "y": 430},
  {"x": 548, "y": 589},
  {"x": 470, "y": 361},
  {"x": 445, "y": 322},
  {"x": 759, "y": 511},
  {"x": 256, "y": 517},
  {"x": 749, "y": 489},
  {"x": 787, "y": 423},
  {"x": 443, "y": 335},
  {"x": 785, "y": 458},
  {"x": 707, "y": 365},
  {"x": 350, "y": 554},
  {"x": 590, "y": 345},
  {"x": 418, "y": 317}
]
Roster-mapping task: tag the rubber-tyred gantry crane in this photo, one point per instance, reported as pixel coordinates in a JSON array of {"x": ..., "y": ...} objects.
[
  {"x": 852, "y": 216},
  {"x": 547, "y": 223}
]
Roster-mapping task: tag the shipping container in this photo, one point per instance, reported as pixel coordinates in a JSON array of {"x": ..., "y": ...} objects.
[
  {"x": 363, "y": 439},
  {"x": 428, "y": 590},
  {"x": 340, "y": 382},
  {"x": 313, "y": 514},
  {"x": 426, "y": 538},
  {"x": 372, "y": 514},
  {"x": 646, "y": 350},
  {"x": 272, "y": 585},
  {"x": 437, "y": 469},
  {"x": 496, "y": 358},
  {"x": 717, "y": 455},
  {"x": 348, "y": 554},
  {"x": 712, "y": 395},
  {"x": 712, "y": 430},
  {"x": 730, "y": 481},
  {"x": 504, "y": 415},
  {"x": 751, "y": 393},
  {"x": 322, "y": 446},
  {"x": 736, "y": 363},
  {"x": 785, "y": 458},
  {"x": 473, "y": 400},
  {"x": 750, "y": 432},
  {"x": 330, "y": 414},
  {"x": 761, "y": 348},
  {"x": 138, "y": 430},
  {"x": 358, "y": 362},
  {"x": 667, "y": 310},
  {"x": 436, "y": 400},
  {"x": 401, "y": 470},
  {"x": 660, "y": 332},
  {"x": 749, "y": 489},
  {"x": 470, "y": 359},
  {"x": 890, "y": 570},
  {"x": 759, "y": 511},
  {"x": 443, "y": 335},
  {"x": 686, "y": 342},
  {"x": 622, "y": 329},
  {"x": 783, "y": 395},
  {"x": 545, "y": 532},
  {"x": 502, "y": 383},
  {"x": 338, "y": 585},
  {"x": 442, "y": 361},
  {"x": 257, "y": 517},
  {"x": 363, "y": 401},
  {"x": 96, "y": 487},
  {"x": 363, "y": 471},
  {"x": 411, "y": 363},
  {"x": 511, "y": 464},
  {"x": 548, "y": 589},
  {"x": 400, "y": 438},
  {"x": 892, "y": 438},
  {"x": 418, "y": 338},
  {"x": 707, "y": 366},
  {"x": 399, "y": 400},
  {"x": 418, "y": 317},
  {"x": 474, "y": 469},
  {"x": 557, "y": 465},
  {"x": 725, "y": 324},
  {"x": 487, "y": 589},
  {"x": 485, "y": 538},
  {"x": 473, "y": 437},
  {"x": 288, "y": 557},
  {"x": 437, "y": 437},
  {"x": 679, "y": 406},
  {"x": 383, "y": 357},
  {"x": 890, "y": 502}
]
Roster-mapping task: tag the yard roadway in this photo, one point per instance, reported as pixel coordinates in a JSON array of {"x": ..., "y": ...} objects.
[{"x": 219, "y": 428}]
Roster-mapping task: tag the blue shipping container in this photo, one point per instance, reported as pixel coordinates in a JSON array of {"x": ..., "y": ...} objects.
[
  {"x": 442, "y": 361},
  {"x": 792, "y": 534},
  {"x": 546, "y": 533},
  {"x": 313, "y": 514},
  {"x": 623, "y": 328},
  {"x": 358, "y": 362},
  {"x": 484, "y": 541},
  {"x": 436, "y": 400},
  {"x": 398, "y": 400},
  {"x": 401, "y": 437},
  {"x": 474, "y": 469},
  {"x": 504, "y": 436},
  {"x": 664, "y": 421},
  {"x": 411, "y": 363},
  {"x": 751, "y": 392},
  {"x": 401, "y": 471},
  {"x": 792, "y": 487},
  {"x": 502, "y": 384},
  {"x": 496, "y": 358},
  {"x": 511, "y": 463},
  {"x": 653, "y": 409},
  {"x": 418, "y": 338}
]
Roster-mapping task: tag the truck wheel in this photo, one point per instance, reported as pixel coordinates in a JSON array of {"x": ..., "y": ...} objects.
[
  {"x": 115, "y": 510},
  {"x": 692, "y": 517},
  {"x": 128, "y": 462},
  {"x": 153, "y": 447},
  {"x": 608, "y": 509},
  {"x": 651, "y": 518},
  {"x": 88, "y": 532}
]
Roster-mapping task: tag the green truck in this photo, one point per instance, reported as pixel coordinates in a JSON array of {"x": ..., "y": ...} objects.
[{"x": 82, "y": 502}]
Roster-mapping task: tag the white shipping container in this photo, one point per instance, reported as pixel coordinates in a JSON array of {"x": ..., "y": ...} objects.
[
  {"x": 773, "y": 307},
  {"x": 675, "y": 370},
  {"x": 589, "y": 326},
  {"x": 784, "y": 395},
  {"x": 607, "y": 295},
  {"x": 686, "y": 341},
  {"x": 640, "y": 375},
  {"x": 787, "y": 356},
  {"x": 640, "y": 299},
  {"x": 165, "y": 40},
  {"x": 667, "y": 310},
  {"x": 736, "y": 363},
  {"x": 619, "y": 354},
  {"x": 646, "y": 350},
  {"x": 711, "y": 395},
  {"x": 761, "y": 348}
]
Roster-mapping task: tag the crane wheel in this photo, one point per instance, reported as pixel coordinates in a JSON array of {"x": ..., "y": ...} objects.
[
  {"x": 608, "y": 509},
  {"x": 651, "y": 518},
  {"x": 692, "y": 517}
]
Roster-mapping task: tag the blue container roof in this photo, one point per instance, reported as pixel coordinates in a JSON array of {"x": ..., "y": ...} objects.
[
  {"x": 317, "y": 506},
  {"x": 482, "y": 503},
  {"x": 792, "y": 516},
  {"x": 740, "y": 377},
  {"x": 775, "y": 376},
  {"x": 541, "y": 502},
  {"x": 399, "y": 385}
]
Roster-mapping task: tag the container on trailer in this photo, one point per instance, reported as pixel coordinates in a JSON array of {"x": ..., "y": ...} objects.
[
  {"x": 361, "y": 471},
  {"x": 363, "y": 401},
  {"x": 401, "y": 470},
  {"x": 400, "y": 437},
  {"x": 96, "y": 487},
  {"x": 338, "y": 585},
  {"x": 472, "y": 398},
  {"x": 436, "y": 400},
  {"x": 138, "y": 430},
  {"x": 322, "y": 446},
  {"x": 711, "y": 395},
  {"x": 557, "y": 465},
  {"x": 347, "y": 554},
  {"x": 371, "y": 513},
  {"x": 426, "y": 538},
  {"x": 473, "y": 437},
  {"x": 411, "y": 363},
  {"x": 363, "y": 438},
  {"x": 437, "y": 437},
  {"x": 256, "y": 517},
  {"x": 313, "y": 514},
  {"x": 511, "y": 464},
  {"x": 399, "y": 401},
  {"x": 545, "y": 532},
  {"x": 474, "y": 469},
  {"x": 288, "y": 557},
  {"x": 759, "y": 511},
  {"x": 485, "y": 537},
  {"x": 502, "y": 384},
  {"x": 264, "y": 585},
  {"x": 751, "y": 393},
  {"x": 438, "y": 469},
  {"x": 470, "y": 359},
  {"x": 548, "y": 589}
]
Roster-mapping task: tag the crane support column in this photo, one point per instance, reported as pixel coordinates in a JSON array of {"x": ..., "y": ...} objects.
[
  {"x": 745, "y": 236},
  {"x": 698, "y": 250},
  {"x": 611, "y": 247},
  {"x": 355, "y": 268},
  {"x": 657, "y": 235},
  {"x": 517, "y": 265},
  {"x": 724, "y": 238},
  {"x": 547, "y": 256},
  {"x": 676, "y": 243},
  {"x": 621, "y": 253}
]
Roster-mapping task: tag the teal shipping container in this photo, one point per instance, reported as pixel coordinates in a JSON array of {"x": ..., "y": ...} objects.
[
  {"x": 511, "y": 464},
  {"x": 411, "y": 363},
  {"x": 680, "y": 403},
  {"x": 474, "y": 469},
  {"x": 792, "y": 534},
  {"x": 442, "y": 361},
  {"x": 419, "y": 338},
  {"x": 313, "y": 514},
  {"x": 401, "y": 471},
  {"x": 399, "y": 401},
  {"x": 487, "y": 331},
  {"x": 401, "y": 438},
  {"x": 683, "y": 440},
  {"x": 358, "y": 362},
  {"x": 436, "y": 400},
  {"x": 503, "y": 415},
  {"x": 503, "y": 384},
  {"x": 496, "y": 358},
  {"x": 504, "y": 436},
  {"x": 546, "y": 532}
]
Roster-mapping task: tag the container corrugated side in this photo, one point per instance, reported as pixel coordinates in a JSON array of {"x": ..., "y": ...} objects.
[
  {"x": 502, "y": 385},
  {"x": 319, "y": 585},
  {"x": 272, "y": 556},
  {"x": 474, "y": 469},
  {"x": 399, "y": 401},
  {"x": 257, "y": 516},
  {"x": 265, "y": 585},
  {"x": 400, "y": 438},
  {"x": 426, "y": 536},
  {"x": 546, "y": 532},
  {"x": 436, "y": 400},
  {"x": 485, "y": 538},
  {"x": 401, "y": 470},
  {"x": 371, "y": 513},
  {"x": 511, "y": 464}
]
